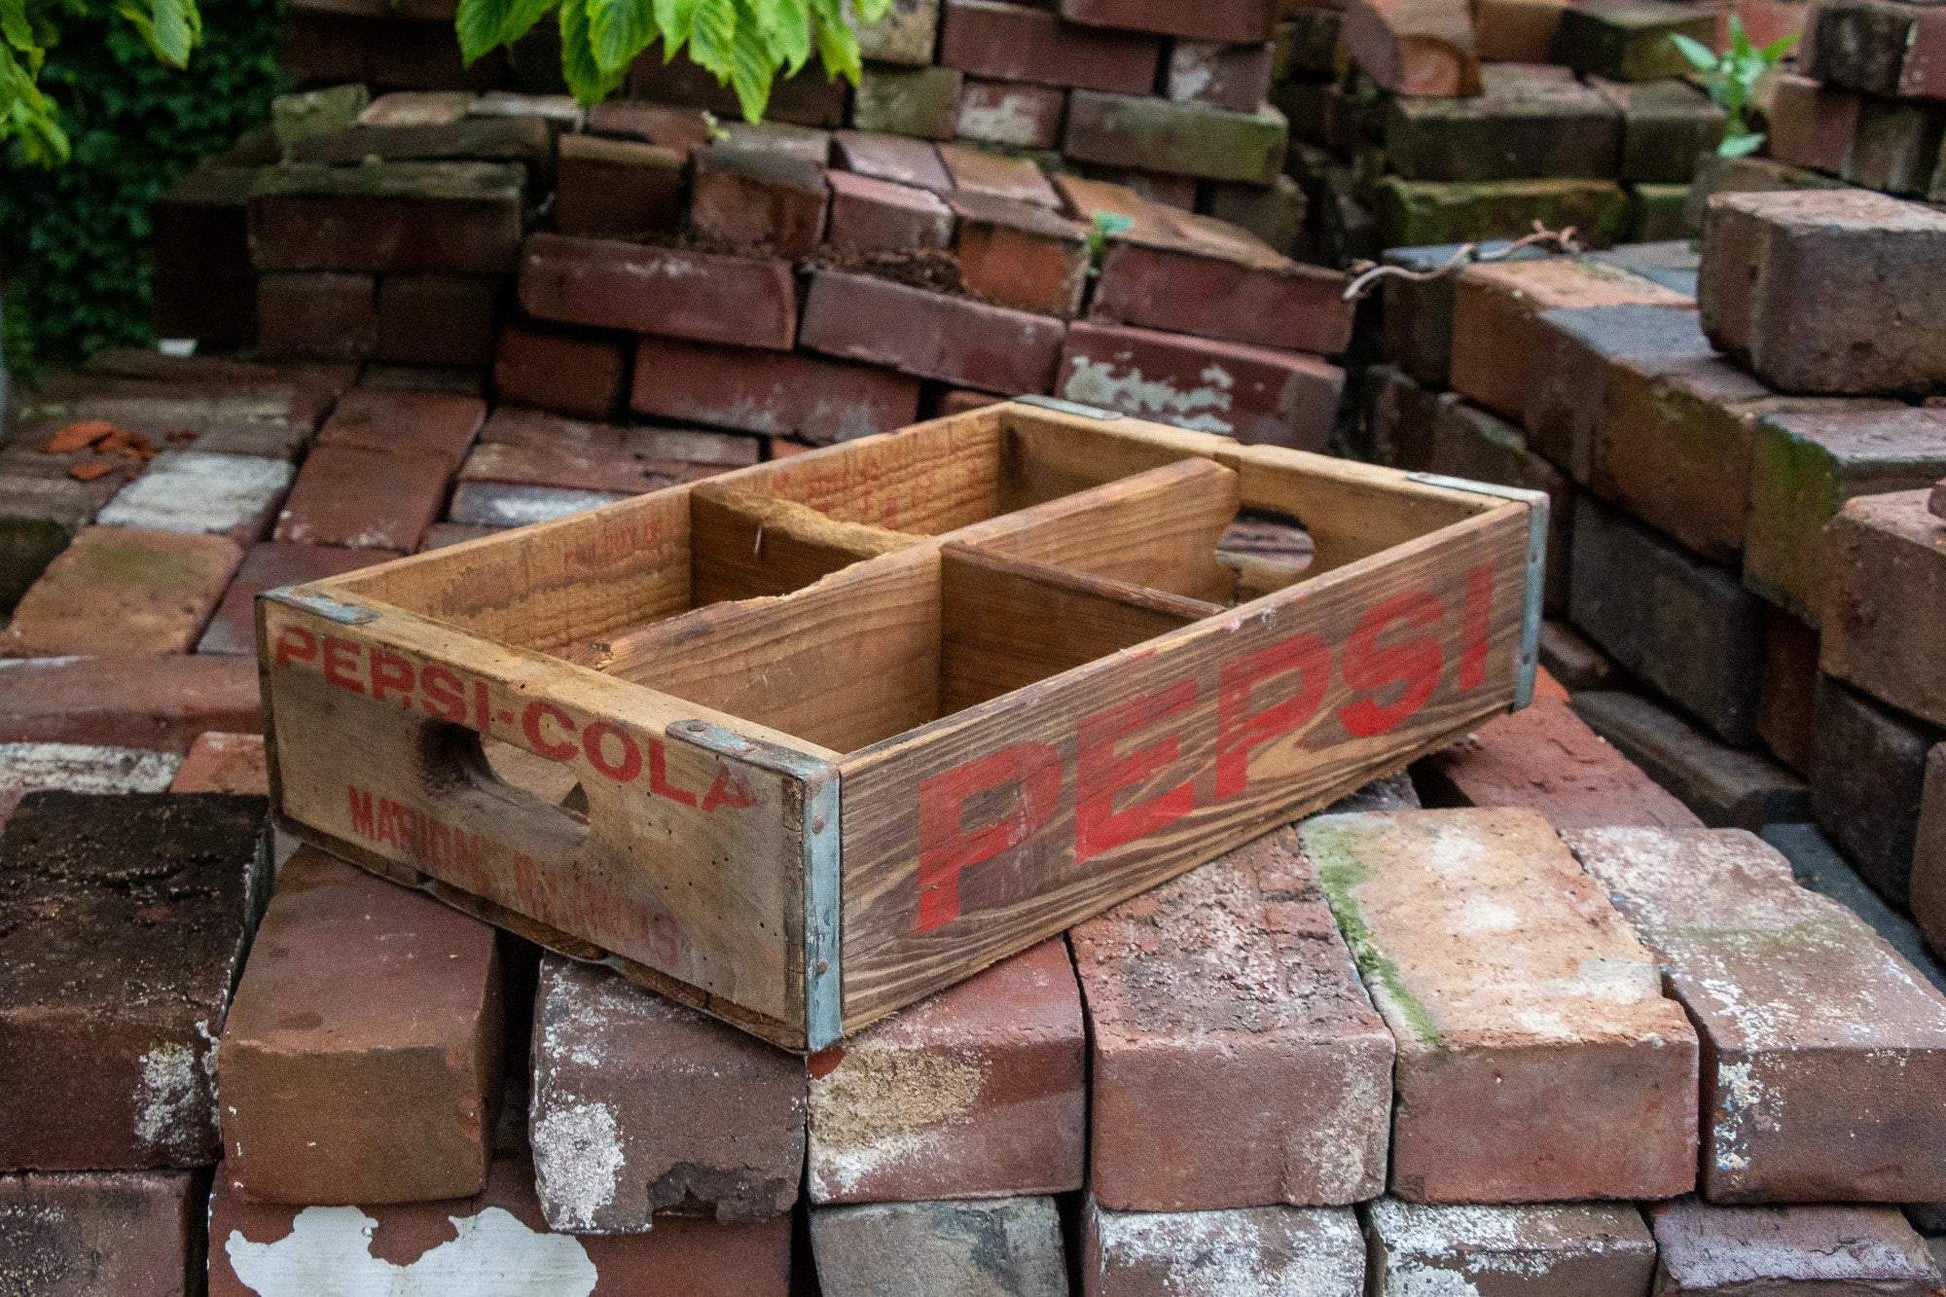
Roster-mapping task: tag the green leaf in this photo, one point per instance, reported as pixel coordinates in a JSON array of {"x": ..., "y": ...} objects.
[
  {"x": 1775, "y": 51},
  {"x": 712, "y": 37},
  {"x": 837, "y": 45},
  {"x": 1739, "y": 146},
  {"x": 480, "y": 23},
  {"x": 788, "y": 32},
  {"x": 587, "y": 82},
  {"x": 1700, "y": 56},
  {"x": 173, "y": 29},
  {"x": 752, "y": 65},
  {"x": 521, "y": 17},
  {"x": 676, "y": 18},
  {"x": 1739, "y": 38},
  {"x": 619, "y": 30}
]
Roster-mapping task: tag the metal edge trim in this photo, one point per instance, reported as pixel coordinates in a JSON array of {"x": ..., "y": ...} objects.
[
  {"x": 347, "y": 614},
  {"x": 823, "y": 916}
]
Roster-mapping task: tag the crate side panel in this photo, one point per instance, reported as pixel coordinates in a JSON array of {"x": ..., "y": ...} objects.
[{"x": 1011, "y": 821}]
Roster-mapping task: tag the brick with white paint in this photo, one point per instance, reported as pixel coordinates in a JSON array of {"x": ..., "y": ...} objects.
[
  {"x": 1247, "y": 1252},
  {"x": 192, "y": 491},
  {"x": 1425, "y": 1250}
]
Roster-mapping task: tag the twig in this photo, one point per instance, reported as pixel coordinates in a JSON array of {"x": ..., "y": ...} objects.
[{"x": 1467, "y": 254}]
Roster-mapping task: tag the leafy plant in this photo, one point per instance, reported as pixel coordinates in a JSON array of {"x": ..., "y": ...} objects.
[
  {"x": 1104, "y": 227},
  {"x": 1731, "y": 77},
  {"x": 74, "y": 240},
  {"x": 28, "y": 28},
  {"x": 744, "y": 43}
]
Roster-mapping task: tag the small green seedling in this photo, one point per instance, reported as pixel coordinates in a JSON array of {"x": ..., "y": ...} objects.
[
  {"x": 1106, "y": 226},
  {"x": 1730, "y": 78}
]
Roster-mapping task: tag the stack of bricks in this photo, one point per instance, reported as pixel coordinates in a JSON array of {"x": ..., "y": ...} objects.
[
  {"x": 780, "y": 281},
  {"x": 1421, "y": 124},
  {"x": 1743, "y": 482},
  {"x": 1870, "y": 107}
]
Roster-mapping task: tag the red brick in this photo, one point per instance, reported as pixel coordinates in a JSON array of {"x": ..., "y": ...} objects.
[
  {"x": 759, "y": 200},
  {"x": 980, "y": 172},
  {"x": 326, "y": 316},
  {"x": 437, "y": 319},
  {"x": 1240, "y": 21},
  {"x": 960, "y": 400},
  {"x": 266, "y": 566},
  {"x": 1827, "y": 1049},
  {"x": 615, "y": 189},
  {"x": 92, "y": 1233},
  {"x": 118, "y": 590},
  {"x": 1236, "y": 77},
  {"x": 1310, "y": 1251},
  {"x": 358, "y": 498},
  {"x": 673, "y": 292},
  {"x": 1017, "y": 254},
  {"x": 127, "y": 917},
  {"x": 643, "y": 1108},
  {"x": 1088, "y": 199},
  {"x": 1922, "y": 73},
  {"x": 160, "y": 702},
  {"x": 1929, "y": 857},
  {"x": 1710, "y": 1251},
  {"x": 1565, "y": 1248},
  {"x": 931, "y": 335},
  {"x": 575, "y": 373},
  {"x": 1415, "y": 47},
  {"x": 872, "y": 215},
  {"x": 680, "y": 129},
  {"x": 1546, "y": 758},
  {"x": 618, "y": 472},
  {"x": 1498, "y": 347},
  {"x": 362, "y": 1053},
  {"x": 788, "y": 394},
  {"x": 1822, "y": 291},
  {"x": 1884, "y": 566},
  {"x": 979, "y": 1091},
  {"x": 434, "y": 424},
  {"x": 264, "y": 1248},
  {"x": 1537, "y": 1058},
  {"x": 1235, "y": 1059},
  {"x": 322, "y": 48},
  {"x": 528, "y": 141},
  {"x": 1011, "y": 114},
  {"x": 1217, "y": 282},
  {"x": 1468, "y": 442},
  {"x": 389, "y": 217},
  {"x": 224, "y": 763},
  {"x": 892, "y": 157},
  {"x": 1023, "y": 42},
  {"x": 1811, "y": 124},
  {"x": 1789, "y": 687},
  {"x": 1938, "y": 501},
  {"x": 1178, "y": 192},
  {"x": 1516, "y": 31},
  {"x": 1254, "y": 394}
]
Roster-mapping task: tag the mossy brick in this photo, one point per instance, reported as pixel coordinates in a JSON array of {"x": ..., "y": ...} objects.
[
  {"x": 978, "y": 1092},
  {"x": 1537, "y": 1057},
  {"x": 1827, "y": 1049},
  {"x": 645, "y": 1108},
  {"x": 82, "y": 1233},
  {"x": 922, "y": 101},
  {"x": 498, "y": 1237},
  {"x": 1811, "y": 123},
  {"x": 1725, "y": 787},
  {"x": 1475, "y": 444},
  {"x": 1275, "y": 213},
  {"x": 1805, "y": 464},
  {"x": 1212, "y": 1090},
  {"x": 1184, "y": 139},
  {"x": 1868, "y": 776},
  {"x": 1628, "y": 40},
  {"x": 997, "y": 1247},
  {"x": 1310, "y": 1251},
  {"x": 315, "y": 112},
  {"x": 1028, "y": 43},
  {"x": 672, "y": 292},
  {"x": 1895, "y": 147},
  {"x": 524, "y": 140},
  {"x": 120, "y": 590},
  {"x": 126, "y": 921},
  {"x": 906, "y": 34},
  {"x": 1686, "y": 627},
  {"x": 1657, "y": 212},
  {"x": 1418, "y": 313},
  {"x": 38, "y": 517},
  {"x": 1500, "y": 345},
  {"x": 1665, "y": 124},
  {"x": 1239, "y": 22},
  {"x": 1528, "y": 122},
  {"x": 1884, "y": 567},
  {"x": 394, "y": 217},
  {"x": 1306, "y": 44},
  {"x": 1552, "y": 1248},
  {"x": 1721, "y": 175},
  {"x": 416, "y": 108},
  {"x": 1709, "y": 1251},
  {"x": 777, "y": 140},
  {"x": 1860, "y": 44},
  {"x": 1832, "y": 292},
  {"x": 1414, "y": 212},
  {"x": 1546, "y": 758}
]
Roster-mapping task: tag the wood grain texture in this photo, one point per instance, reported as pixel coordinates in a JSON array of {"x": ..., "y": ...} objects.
[
  {"x": 744, "y": 543},
  {"x": 1034, "y": 887}
]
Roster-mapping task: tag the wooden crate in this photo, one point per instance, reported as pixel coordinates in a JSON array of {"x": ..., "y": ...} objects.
[{"x": 806, "y": 742}]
